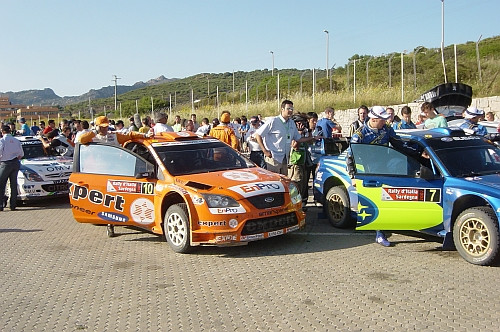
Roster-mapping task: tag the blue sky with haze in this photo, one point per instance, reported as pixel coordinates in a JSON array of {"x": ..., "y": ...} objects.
[{"x": 74, "y": 46}]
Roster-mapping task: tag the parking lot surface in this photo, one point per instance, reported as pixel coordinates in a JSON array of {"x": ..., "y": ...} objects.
[{"x": 58, "y": 275}]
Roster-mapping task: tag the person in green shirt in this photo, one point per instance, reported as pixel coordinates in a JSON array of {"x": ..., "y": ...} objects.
[{"x": 433, "y": 119}]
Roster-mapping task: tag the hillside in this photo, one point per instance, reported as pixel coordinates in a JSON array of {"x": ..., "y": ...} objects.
[{"x": 47, "y": 97}]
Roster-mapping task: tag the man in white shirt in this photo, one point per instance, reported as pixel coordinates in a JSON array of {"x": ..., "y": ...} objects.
[
  {"x": 275, "y": 139},
  {"x": 256, "y": 154},
  {"x": 11, "y": 152},
  {"x": 161, "y": 124}
]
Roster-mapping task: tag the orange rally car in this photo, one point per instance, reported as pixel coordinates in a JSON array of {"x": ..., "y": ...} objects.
[{"x": 196, "y": 191}]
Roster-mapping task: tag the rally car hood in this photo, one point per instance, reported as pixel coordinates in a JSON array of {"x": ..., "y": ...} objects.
[
  {"x": 488, "y": 184},
  {"x": 246, "y": 182},
  {"x": 49, "y": 167}
]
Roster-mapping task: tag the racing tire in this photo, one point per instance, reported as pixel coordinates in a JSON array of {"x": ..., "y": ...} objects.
[
  {"x": 337, "y": 207},
  {"x": 176, "y": 228},
  {"x": 476, "y": 236}
]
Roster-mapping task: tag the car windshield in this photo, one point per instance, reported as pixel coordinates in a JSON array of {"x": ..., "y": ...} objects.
[
  {"x": 32, "y": 149},
  {"x": 200, "y": 157},
  {"x": 464, "y": 160}
]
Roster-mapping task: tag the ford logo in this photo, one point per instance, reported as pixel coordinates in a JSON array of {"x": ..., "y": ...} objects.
[{"x": 269, "y": 199}]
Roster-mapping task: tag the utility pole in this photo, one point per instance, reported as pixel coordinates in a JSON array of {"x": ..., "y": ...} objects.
[{"x": 115, "y": 80}]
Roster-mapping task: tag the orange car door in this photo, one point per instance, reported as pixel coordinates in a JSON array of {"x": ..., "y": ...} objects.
[{"x": 111, "y": 185}]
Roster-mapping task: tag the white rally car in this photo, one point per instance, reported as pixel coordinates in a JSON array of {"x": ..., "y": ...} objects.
[{"x": 41, "y": 175}]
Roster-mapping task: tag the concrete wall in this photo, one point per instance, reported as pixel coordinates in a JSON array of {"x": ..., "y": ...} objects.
[{"x": 346, "y": 117}]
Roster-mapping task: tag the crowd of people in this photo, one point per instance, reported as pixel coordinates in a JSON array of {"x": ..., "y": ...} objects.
[{"x": 282, "y": 144}]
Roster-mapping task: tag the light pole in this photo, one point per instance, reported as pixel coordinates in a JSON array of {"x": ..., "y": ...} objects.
[
  {"x": 415, "y": 66},
  {"x": 390, "y": 70},
  {"x": 272, "y": 68},
  {"x": 367, "y": 62},
  {"x": 327, "y": 47},
  {"x": 302, "y": 75},
  {"x": 442, "y": 40},
  {"x": 115, "y": 80},
  {"x": 354, "y": 80},
  {"x": 478, "y": 61},
  {"x": 402, "y": 76}
]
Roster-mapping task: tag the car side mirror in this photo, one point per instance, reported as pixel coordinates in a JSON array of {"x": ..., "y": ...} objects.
[{"x": 426, "y": 173}]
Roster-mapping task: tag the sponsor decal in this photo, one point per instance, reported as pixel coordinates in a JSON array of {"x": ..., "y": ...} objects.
[
  {"x": 58, "y": 168},
  {"x": 252, "y": 237},
  {"x": 183, "y": 133},
  {"x": 271, "y": 212},
  {"x": 466, "y": 138},
  {"x": 319, "y": 176},
  {"x": 233, "y": 223},
  {"x": 411, "y": 194},
  {"x": 212, "y": 223},
  {"x": 293, "y": 228},
  {"x": 28, "y": 186},
  {"x": 130, "y": 187},
  {"x": 96, "y": 197},
  {"x": 142, "y": 211},
  {"x": 159, "y": 187},
  {"x": 110, "y": 216},
  {"x": 367, "y": 211},
  {"x": 197, "y": 200},
  {"x": 225, "y": 238},
  {"x": 239, "y": 176},
  {"x": 78, "y": 208},
  {"x": 258, "y": 188},
  {"x": 34, "y": 142},
  {"x": 275, "y": 233},
  {"x": 228, "y": 210}
]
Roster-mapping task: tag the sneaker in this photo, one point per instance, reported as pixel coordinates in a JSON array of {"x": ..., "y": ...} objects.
[{"x": 381, "y": 239}]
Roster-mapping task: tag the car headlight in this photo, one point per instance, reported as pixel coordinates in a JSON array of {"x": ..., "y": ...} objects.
[
  {"x": 294, "y": 193},
  {"x": 31, "y": 175},
  {"x": 219, "y": 201}
]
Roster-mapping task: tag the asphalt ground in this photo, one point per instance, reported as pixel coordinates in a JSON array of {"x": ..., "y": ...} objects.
[{"x": 59, "y": 275}]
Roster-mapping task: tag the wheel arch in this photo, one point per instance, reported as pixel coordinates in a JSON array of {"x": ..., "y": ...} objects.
[
  {"x": 170, "y": 199},
  {"x": 466, "y": 202},
  {"x": 332, "y": 181}
]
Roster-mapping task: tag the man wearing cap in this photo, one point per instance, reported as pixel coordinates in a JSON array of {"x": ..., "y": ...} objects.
[
  {"x": 375, "y": 131},
  {"x": 433, "y": 119},
  {"x": 470, "y": 125},
  {"x": 102, "y": 135},
  {"x": 275, "y": 138},
  {"x": 225, "y": 133},
  {"x": 161, "y": 124},
  {"x": 25, "y": 129},
  {"x": 11, "y": 152}
]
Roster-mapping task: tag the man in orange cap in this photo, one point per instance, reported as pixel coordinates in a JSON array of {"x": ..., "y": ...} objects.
[
  {"x": 103, "y": 135},
  {"x": 225, "y": 133}
]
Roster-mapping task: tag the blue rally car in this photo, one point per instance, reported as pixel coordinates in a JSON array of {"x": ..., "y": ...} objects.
[{"x": 454, "y": 193}]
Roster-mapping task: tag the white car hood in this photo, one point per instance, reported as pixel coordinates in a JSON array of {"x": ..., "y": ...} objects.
[{"x": 50, "y": 168}]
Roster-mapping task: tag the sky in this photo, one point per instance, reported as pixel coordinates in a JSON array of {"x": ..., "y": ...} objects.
[{"x": 78, "y": 45}]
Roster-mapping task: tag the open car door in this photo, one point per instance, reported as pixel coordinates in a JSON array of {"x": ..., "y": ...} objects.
[
  {"x": 112, "y": 185},
  {"x": 391, "y": 193}
]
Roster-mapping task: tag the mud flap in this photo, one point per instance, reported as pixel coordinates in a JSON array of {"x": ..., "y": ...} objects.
[{"x": 448, "y": 244}]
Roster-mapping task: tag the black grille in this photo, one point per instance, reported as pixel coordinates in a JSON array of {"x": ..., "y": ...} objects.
[
  {"x": 55, "y": 187},
  {"x": 256, "y": 226},
  {"x": 268, "y": 200}
]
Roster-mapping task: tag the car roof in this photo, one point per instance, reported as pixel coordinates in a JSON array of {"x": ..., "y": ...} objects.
[{"x": 430, "y": 133}]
